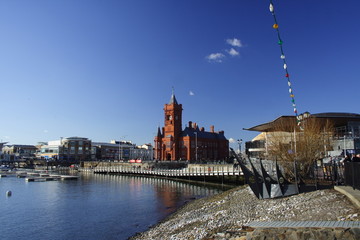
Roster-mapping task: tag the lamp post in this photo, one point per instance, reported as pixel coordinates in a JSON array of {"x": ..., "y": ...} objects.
[
  {"x": 196, "y": 153},
  {"x": 345, "y": 145},
  {"x": 61, "y": 150},
  {"x": 239, "y": 142},
  {"x": 119, "y": 150}
]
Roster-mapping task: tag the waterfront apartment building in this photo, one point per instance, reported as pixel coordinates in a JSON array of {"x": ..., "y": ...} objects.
[
  {"x": 346, "y": 135},
  {"x": 114, "y": 150},
  {"x": 193, "y": 143},
  {"x": 1, "y": 147},
  {"x": 72, "y": 150},
  {"x": 144, "y": 152},
  {"x": 17, "y": 152},
  {"x": 77, "y": 149}
]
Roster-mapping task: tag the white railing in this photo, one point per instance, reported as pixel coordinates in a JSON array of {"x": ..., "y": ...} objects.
[{"x": 196, "y": 171}]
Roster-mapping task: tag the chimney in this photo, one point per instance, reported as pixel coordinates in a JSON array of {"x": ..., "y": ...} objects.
[
  {"x": 212, "y": 128},
  {"x": 202, "y": 129},
  {"x": 190, "y": 124},
  {"x": 195, "y": 125}
]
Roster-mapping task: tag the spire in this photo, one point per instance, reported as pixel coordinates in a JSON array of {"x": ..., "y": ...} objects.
[
  {"x": 173, "y": 98},
  {"x": 159, "y": 133}
]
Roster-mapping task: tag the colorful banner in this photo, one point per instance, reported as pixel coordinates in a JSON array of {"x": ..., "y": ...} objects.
[{"x": 282, "y": 56}]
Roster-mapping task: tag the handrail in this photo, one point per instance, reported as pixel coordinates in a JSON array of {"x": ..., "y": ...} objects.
[{"x": 197, "y": 171}]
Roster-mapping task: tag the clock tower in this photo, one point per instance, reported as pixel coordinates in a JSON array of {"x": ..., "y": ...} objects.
[
  {"x": 172, "y": 130},
  {"x": 193, "y": 144}
]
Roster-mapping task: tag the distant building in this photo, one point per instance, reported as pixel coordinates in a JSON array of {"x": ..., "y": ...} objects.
[
  {"x": 115, "y": 150},
  {"x": 77, "y": 149},
  {"x": 144, "y": 152},
  {"x": 346, "y": 136},
  {"x": 193, "y": 143},
  {"x": 18, "y": 152},
  {"x": 1, "y": 147},
  {"x": 72, "y": 150}
]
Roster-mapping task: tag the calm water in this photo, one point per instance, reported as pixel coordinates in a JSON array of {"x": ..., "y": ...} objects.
[{"x": 93, "y": 207}]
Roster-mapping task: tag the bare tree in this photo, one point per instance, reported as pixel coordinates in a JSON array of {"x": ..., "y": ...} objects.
[{"x": 306, "y": 145}]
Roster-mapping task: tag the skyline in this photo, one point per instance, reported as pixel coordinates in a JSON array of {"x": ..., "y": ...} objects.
[{"x": 104, "y": 70}]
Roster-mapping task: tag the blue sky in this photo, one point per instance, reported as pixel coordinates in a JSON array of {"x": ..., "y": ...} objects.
[{"x": 105, "y": 69}]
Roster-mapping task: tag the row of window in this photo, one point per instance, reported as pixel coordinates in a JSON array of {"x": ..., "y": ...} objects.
[{"x": 353, "y": 130}]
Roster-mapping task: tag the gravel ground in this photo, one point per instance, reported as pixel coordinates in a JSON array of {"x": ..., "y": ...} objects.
[{"x": 227, "y": 212}]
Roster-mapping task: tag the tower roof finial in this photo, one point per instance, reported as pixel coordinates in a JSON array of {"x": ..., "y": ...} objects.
[{"x": 173, "y": 99}]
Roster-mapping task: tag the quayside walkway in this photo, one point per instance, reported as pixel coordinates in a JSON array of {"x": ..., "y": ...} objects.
[
  {"x": 306, "y": 224},
  {"x": 302, "y": 230},
  {"x": 184, "y": 172}
]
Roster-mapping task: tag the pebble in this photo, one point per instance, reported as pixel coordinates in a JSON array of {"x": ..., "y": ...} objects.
[{"x": 225, "y": 215}]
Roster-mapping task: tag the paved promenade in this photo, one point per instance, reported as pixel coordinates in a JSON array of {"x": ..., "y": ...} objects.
[
  {"x": 306, "y": 224},
  {"x": 352, "y": 194}
]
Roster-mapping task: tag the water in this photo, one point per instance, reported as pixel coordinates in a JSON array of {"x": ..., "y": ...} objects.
[{"x": 92, "y": 207}]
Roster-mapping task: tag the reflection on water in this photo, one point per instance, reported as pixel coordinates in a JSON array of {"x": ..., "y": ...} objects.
[{"x": 93, "y": 207}]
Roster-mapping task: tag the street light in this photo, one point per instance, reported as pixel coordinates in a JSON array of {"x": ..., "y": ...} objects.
[
  {"x": 195, "y": 146},
  {"x": 239, "y": 142},
  {"x": 119, "y": 149}
]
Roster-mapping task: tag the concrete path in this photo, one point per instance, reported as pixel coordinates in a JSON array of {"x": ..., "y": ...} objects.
[
  {"x": 304, "y": 224},
  {"x": 352, "y": 194}
]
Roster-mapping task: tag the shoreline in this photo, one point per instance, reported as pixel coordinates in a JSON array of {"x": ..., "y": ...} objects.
[{"x": 225, "y": 215}]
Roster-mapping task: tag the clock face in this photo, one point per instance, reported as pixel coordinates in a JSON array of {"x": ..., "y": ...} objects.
[{"x": 170, "y": 117}]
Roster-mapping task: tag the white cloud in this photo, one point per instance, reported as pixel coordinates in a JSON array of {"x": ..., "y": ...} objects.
[
  {"x": 215, "y": 57},
  {"x": 45, "y": 131},
  {"x": 234, "y": 42},
  {"x": 191, "y": 93},
  {"x": 233, "y": 52},
  {"x": 231, "y": 140}
]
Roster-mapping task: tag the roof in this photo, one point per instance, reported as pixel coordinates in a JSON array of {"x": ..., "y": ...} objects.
[
  {"x": 20, "y": 146},
  {"x": 202, "y": 134},
  {"x": 159, "y": 135},
  {"x": 337, "y": 115},
  {"x": 76, "y": 138},
  {"x": 338, "y": 119},
  {"x": 173, "y": 99},
  {"x": 269, "y": 126},
  {"x": 262, "y": 136}
]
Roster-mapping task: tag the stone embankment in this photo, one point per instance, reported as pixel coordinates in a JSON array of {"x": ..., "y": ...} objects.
[{"x": 226, "y": 215}]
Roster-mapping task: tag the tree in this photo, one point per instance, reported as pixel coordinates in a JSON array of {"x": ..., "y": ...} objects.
[{"x": 304, "y": 145}]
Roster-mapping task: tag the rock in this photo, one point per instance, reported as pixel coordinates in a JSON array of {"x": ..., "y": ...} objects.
[
  {"x": 352, "y": 216},
  {"x": 239, "y": 238},
  {"x": 220, "y": 235}
]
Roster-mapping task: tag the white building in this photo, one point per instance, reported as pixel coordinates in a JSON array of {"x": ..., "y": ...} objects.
[
  {"x": 144, "y": 152},
  {"x": 72, "y": 149}
]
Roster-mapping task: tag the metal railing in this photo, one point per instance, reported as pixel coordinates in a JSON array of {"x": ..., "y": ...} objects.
[{"x": 198, "y": 171}]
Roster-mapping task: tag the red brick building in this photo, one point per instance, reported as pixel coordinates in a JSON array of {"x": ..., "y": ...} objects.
[{"x": 193, "y": 143}]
